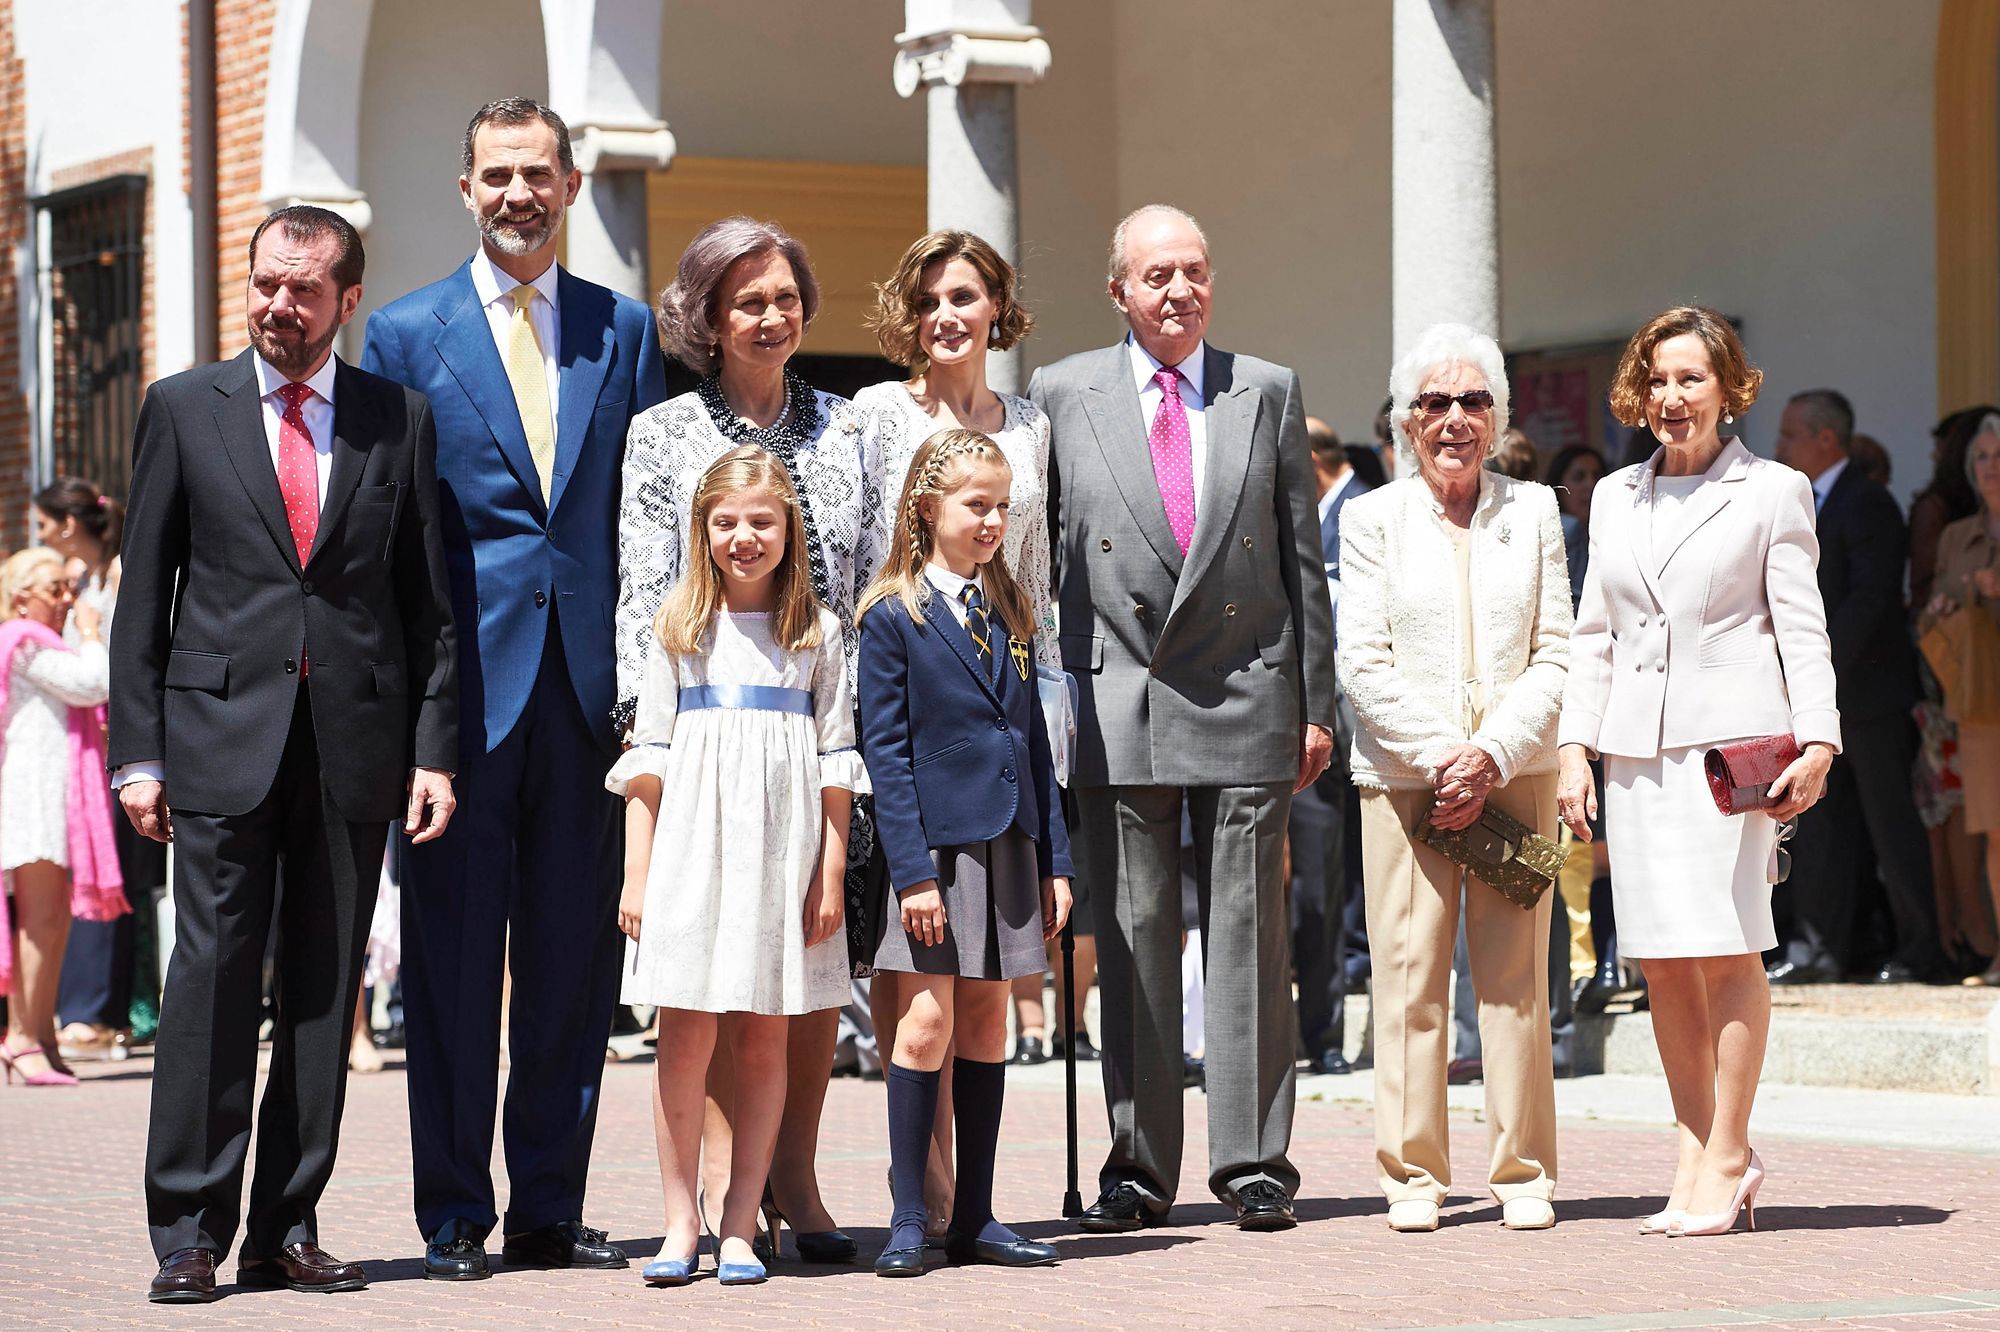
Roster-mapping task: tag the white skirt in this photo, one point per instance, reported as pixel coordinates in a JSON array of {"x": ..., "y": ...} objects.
[{"x": 1686, "y": 881}]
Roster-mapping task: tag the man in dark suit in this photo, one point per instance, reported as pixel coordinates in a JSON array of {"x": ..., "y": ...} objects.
[
  {"x": 282, "y": 687},
  {"x": 534, "y": 376},
  {"x": 1195, "y": 620},
  {"x": 1863, "y": 545},
  {"x": 1320, "y": 818}
]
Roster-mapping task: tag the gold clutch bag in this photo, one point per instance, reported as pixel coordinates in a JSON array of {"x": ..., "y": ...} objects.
[{"x": 1512, "y": 858}]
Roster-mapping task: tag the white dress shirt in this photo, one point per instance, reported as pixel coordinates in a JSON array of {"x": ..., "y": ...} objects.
[
  {"x": 1194, "y": 397},
  {"x": 953, "y": 587},
  {"x": 496, "y": 294},
  {"x": 317, "y": 411},
  {"x": 1823, "y": 483}
]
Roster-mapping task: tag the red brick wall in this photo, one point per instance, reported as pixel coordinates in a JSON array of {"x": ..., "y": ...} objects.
[
  {"x": 16, "y": 436},
  {"x": 242, "y": 58}
]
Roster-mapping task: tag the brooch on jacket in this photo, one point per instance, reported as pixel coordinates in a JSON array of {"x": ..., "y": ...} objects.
[{"x": 1504, "y": 532}]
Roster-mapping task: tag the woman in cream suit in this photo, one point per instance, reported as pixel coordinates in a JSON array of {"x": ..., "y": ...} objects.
[
  {"x": 1700, "y": 624},
  {"x": 1454, "y": 632}
]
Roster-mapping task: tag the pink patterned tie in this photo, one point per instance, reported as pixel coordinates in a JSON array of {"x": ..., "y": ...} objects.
[
  {"x": 1173, "y": 458},
  {"x": 298, "y": 472}
]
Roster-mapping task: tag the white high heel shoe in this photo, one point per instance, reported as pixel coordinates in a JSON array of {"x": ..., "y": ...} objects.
[
  {"x": 1722, "y": 1223},
  {"x": 1660, "y": 1223}
]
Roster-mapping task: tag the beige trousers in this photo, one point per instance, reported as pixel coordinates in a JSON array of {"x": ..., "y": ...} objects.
[
  {"x": 1574, "y": 886},
  {"x": 1413, "y": 900}
]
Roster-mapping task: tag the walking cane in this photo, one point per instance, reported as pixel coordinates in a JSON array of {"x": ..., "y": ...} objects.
[{"x": 1072, "y": 1200}]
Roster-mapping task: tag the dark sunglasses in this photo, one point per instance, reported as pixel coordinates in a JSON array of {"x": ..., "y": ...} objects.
[{"x": 1437, "y": 404}]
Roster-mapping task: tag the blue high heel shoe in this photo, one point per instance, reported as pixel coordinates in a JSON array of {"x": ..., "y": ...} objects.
[
  {"x": 739, "y": 1274},
  {"x": 672, "y": 1271}
]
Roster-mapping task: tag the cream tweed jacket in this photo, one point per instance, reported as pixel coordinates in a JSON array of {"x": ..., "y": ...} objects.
[{"x": 1400, "y": 651}]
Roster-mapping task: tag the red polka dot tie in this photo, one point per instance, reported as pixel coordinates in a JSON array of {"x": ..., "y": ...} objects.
[
  {"x": 1173, "y": 458},
  {"x": 298, "y": 470}
]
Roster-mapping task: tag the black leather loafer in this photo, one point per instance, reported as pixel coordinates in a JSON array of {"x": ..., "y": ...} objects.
[
  {"x": 564, "y": 1244},
  {"x": 302, "y": 1267},
  {"x": 900, "y": 1262},
  {"x": 1262, "y": 1205},
  {"x": 456, "y": 1259},
  {"x": 1120, "y": 1208},
  {"x": 1015, "y": 1252},
  {"x": 186, "y": 1277}
]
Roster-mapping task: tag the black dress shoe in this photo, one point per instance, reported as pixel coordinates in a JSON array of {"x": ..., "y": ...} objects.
[
  {"x": 1262, "y": 1205},
  {"x": 303, "y": 1267},
  {"x": 1332, "y": 1061},
  {"x": 1119, "y": 1208},
  {"x": 1086, "y": 1053},
  {"x": 1016, "y": 1252},
  {"x": 1030, "y": 1050},
  {"x": 1789, "y": 972},
  {"x": 900, "y": 1262},
  {"x": 564, "y": 1244},
  {"x": 1194, "y": 1072},
  {"x": 186, "y": 1277},
  {"x": 458, "y": 1258}
]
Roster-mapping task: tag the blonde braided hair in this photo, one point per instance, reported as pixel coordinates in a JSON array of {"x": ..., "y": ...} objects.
[{"x": 943, "y": 463}]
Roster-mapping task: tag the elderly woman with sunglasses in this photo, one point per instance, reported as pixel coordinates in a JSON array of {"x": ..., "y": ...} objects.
[{"x": 1453, "y": 646}]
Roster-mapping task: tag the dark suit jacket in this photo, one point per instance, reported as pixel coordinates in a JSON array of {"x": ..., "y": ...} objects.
[
  {"x": 511, "y": 556},
  {"x": 214, "y": 608},
  {"x": 1863, "y": 548},
  {"x": 1329, "y": 526},
  {"x": 955, "y": 757}
]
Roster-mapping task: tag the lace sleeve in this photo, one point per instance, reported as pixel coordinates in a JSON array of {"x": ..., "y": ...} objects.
[
  {"x": 1034, "y": 571},
  {"x": 649, "y": 550},
  {"x": 80, "y": 679}
]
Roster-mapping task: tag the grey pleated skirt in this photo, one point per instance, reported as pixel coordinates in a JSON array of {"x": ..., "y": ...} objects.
[{"x": 992, "y": 910}]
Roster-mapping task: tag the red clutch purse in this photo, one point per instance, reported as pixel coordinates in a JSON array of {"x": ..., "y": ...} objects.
[{"x": 1740, "y": 775}]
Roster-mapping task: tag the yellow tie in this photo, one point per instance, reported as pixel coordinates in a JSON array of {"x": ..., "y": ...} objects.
[{"x": 529, "y": 376}]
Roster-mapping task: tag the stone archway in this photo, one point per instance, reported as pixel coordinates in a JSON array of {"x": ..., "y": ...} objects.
[
  {"x": 312, "y": 106},
  {"x": 1967, "y": 129}
]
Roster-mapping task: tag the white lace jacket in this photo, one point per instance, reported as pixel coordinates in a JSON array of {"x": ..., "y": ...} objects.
[{"x": 1399, "y": 647}]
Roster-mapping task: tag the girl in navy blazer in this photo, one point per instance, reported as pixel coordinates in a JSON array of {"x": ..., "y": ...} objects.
[{"x": 968, "y": 816}]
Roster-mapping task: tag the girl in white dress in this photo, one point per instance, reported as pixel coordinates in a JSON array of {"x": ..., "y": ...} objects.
[{"x": 741, "y": 772}]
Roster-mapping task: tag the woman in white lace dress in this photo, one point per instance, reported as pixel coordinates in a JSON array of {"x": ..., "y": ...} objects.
[
  {"x": 735, "y": 313},
  {"x": 44, "y": 679}
]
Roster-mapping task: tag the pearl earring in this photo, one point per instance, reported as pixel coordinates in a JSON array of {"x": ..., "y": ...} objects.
[{"x": 1728, "y": 418}]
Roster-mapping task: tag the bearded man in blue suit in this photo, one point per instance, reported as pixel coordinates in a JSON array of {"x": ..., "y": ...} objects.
[{"x": 533, "y": 377}]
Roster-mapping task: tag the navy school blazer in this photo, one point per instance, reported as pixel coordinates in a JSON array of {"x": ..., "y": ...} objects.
[{"x": 954, "y": 758}]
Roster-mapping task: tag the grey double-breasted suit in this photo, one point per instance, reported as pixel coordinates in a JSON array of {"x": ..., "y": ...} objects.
[{"x": 1196, "y": 673}]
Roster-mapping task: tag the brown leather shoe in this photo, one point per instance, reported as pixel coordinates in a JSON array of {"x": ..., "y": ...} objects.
[
  {"x": 305, "y": 1267},
  {"x": 186, "y": 1277}
]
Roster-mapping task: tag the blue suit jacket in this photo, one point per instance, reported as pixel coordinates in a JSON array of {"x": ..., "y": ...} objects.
[
  {"x": 511, "y": 558},
  {"x": 955, "y": 758},
  {"x": 1329, "y": 526}
]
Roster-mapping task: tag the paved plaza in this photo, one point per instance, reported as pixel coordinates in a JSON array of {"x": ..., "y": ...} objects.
[{"x": 1880, "y": 1212}]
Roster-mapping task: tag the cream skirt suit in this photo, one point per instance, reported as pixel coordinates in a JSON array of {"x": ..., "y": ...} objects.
[
  {"x": 1701, "y": 623},
  {"x": 1448, "y": 636}
]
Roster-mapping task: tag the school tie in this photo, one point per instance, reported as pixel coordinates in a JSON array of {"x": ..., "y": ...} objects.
[
  {"x": 298, "y": 469},
  {"x": 1173, "y": 458},
  {"x": 978, "y": 626},
  {"x": 528, "y": 373}
]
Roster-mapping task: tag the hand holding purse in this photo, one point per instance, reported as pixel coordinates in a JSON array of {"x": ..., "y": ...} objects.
[
  {"x": 1509, "y": 856},
  {"x": 1740, "y": 775}
]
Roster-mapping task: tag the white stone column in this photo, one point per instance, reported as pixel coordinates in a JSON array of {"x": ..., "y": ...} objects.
[
  {"x": 1445, "y": 220},
  {"x": 970, "y": 55},
  {"x": 604, "y": 80}
]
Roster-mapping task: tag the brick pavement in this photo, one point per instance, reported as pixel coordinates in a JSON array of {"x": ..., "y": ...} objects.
[{"x": 1849, "y": 1236}]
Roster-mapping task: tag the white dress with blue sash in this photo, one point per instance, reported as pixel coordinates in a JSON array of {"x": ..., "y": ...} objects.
[{"x": 743, "y": 739}]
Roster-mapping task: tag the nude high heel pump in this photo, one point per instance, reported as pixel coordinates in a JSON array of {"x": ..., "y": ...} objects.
[{"x": 1724, "y": 1222}]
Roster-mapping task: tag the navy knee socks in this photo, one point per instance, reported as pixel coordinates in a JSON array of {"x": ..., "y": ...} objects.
[
  {"x": 977, "y": 1092},
  {"x": 913, "y": 1098}
]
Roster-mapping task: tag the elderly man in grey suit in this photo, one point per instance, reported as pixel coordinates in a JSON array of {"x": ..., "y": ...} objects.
[{"x": 1195, "y": 618}]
